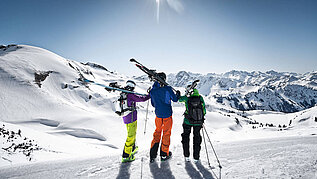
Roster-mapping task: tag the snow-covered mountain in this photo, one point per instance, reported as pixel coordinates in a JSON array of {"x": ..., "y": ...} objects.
[
  {"x": 44, "y": 92},
  {"x": 271, "y": 91},
  {"x": 48, "y": 113}
]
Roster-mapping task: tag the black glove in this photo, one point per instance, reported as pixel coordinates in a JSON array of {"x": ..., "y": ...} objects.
[
  {"x": 109, "y": 90},
  {"x": 113, "y": 84},
  {"x": 148, "y": 90},
  {"x": 118, "y": 112},
  {"x": 178, "y": 93}
]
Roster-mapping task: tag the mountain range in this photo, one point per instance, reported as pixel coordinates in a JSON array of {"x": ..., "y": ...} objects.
[{"x": 270, "y": 91}]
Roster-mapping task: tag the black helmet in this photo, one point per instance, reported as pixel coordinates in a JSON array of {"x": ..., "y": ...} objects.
[{"x": 162, "y": 75}]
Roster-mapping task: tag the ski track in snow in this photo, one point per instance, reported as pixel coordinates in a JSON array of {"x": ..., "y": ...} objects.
[{"x": 292, "y": 157}]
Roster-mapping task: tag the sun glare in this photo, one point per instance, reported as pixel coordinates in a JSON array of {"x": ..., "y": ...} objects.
[{"x": 158, "y": 11}]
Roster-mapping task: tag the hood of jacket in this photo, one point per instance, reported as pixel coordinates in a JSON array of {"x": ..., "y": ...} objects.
[{"x": 195, "y": 93}]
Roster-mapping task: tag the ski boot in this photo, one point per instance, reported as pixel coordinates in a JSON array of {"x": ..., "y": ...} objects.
[
  {"x": 165, "y": 157},
  {"x": 196, "y": 161},
  {"x": 152, "y": 160},
  {"x": 187, "y": 159},
  {"x": 131, "y": 158},
  {"x": 135, "y": 150}
]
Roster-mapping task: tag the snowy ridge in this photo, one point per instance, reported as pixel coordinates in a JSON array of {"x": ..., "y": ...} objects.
[{"x": 272, "y": 91}]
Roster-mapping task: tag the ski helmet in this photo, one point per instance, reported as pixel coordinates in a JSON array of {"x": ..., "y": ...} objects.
[
  {"x": 189, "y": 88},
  {"x": 130, "y": 85}
]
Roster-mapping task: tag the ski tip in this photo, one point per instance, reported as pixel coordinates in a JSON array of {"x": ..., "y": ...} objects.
[
  {"x": 132, "y": 60},
  {"x": 196, "y": 81},
  {"x": 86, "y": 80}
]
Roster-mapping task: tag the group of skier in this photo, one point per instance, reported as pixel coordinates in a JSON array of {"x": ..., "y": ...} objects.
[{"x": 161, "y": 95}]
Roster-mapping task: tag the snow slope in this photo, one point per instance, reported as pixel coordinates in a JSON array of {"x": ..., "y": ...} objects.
[
  {"x": 48, "y": 113},
  {"x": 60, "y": 106},
  {"x": 292, "y": 157}
]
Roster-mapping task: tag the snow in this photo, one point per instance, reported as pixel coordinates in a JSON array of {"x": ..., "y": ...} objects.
[
  {"x": 292, "y": 157},
  {"x": 75, "y": 133}
]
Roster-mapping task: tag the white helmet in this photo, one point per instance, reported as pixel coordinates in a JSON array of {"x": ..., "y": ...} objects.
[{"x": 130, "y": 84}]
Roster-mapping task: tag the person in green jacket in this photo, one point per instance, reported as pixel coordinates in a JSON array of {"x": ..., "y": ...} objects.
[{"x": 194, "y": 118}]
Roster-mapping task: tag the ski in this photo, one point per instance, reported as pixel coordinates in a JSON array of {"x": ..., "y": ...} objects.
[
  {"x": 191, "y": 87},
  {"x": 151, "y": 73},
  {"x": 113, "y": 88}
]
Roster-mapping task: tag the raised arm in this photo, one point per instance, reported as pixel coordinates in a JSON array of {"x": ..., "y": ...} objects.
[
  {"x": 172, "y": 94},
  {"x": 138, "y": 98},
  {"x": 183, "y": 99}
]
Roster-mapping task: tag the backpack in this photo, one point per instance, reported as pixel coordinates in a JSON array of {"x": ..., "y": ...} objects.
[
  {"x": 195, "y": 110},
  {"x": 122, "y": 108}
]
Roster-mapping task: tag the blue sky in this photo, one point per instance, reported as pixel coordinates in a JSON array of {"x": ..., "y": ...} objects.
[{"x": 194, "y": 35}]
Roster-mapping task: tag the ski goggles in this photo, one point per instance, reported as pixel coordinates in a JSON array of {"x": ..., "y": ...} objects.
[{"x": 130, "y": 84}]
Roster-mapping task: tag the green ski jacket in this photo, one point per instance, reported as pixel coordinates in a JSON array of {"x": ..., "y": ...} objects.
[{"x": 185, "y": 99}]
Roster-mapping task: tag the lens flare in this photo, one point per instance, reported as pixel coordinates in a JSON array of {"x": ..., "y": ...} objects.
[{"x": 158, "y": 11}]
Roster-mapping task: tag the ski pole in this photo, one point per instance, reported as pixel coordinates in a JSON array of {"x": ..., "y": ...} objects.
[
  {"x": 212, "y": 147},
  {"x": 147, "y": 111},
  {"x": 206, "y": 149},
  {"x": 146, "y": 115},
  {"x": 142, "y": 167}
]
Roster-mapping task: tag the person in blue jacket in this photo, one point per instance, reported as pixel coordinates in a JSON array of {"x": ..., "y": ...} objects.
[{"x": 161, "y": 97}]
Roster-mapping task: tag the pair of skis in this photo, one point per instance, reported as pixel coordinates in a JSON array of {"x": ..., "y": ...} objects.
[
  {"x": 152, "y": 75},
  {"x": 113, "y": 88},
  {"x": 190, "y": 88}
]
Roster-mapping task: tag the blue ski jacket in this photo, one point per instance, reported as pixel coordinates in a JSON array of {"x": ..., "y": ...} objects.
[{"x": 161, "y": 100}]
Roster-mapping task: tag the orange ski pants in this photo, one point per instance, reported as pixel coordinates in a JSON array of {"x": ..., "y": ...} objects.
[{"x": 164, "y": 124}]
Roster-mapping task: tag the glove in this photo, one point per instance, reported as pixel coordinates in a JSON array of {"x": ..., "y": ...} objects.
[
  {"x": 148, "y": 90},
  {"x": 178, "y": 93},
  {"x": 118, "y": 112},
  {"x": 113, "y": 84},
  {"x": 109, "y": 90},
  {"x": 151, "y": 78}
]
